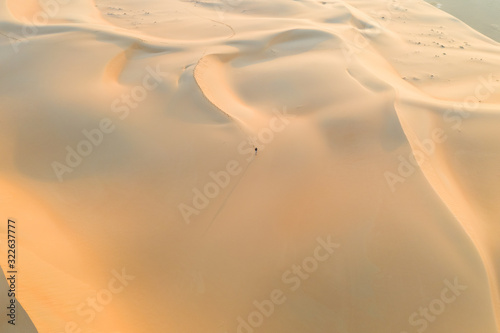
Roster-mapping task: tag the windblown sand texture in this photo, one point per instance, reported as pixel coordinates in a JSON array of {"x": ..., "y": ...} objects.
[{"x": 336, "y": 95}]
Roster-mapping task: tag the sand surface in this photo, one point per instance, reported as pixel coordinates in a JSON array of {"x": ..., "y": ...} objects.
[{"x": 129, "y": 131}]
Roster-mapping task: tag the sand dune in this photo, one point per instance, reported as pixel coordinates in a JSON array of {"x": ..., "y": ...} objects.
[{"x": 128, "y": 162}]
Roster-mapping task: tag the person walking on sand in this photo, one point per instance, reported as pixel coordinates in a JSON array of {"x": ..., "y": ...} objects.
[{"x": 255, "y": 151}]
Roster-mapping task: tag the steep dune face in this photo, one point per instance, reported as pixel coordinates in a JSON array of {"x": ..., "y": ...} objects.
[{"x": 251, "y": 166}]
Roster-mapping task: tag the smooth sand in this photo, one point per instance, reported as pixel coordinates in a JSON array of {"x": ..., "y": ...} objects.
[{"x": 340, "y": 91}]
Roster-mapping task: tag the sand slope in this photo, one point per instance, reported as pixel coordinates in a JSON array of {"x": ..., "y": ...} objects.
[{"x": 336, "y": 96}]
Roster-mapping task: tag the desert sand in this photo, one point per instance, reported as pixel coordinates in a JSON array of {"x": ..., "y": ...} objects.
[{"x": 129, "y": 131}]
